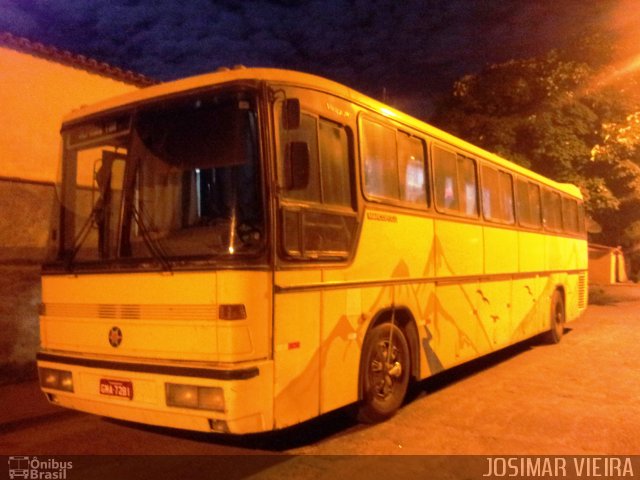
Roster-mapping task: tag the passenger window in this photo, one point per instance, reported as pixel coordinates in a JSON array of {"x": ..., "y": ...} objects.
[
  {"x": 468, "y": 186},
  {"x": 456, "y": 183},
  {"x": 394, "y": 164},
  {"x": 552, "y": 210},
  {"x": 570, "y": 215},
  {"x": 380, "y": 162},
  {"x": 528, "y": 203},
  {"x": 411, "y": 169},
  {"x": 582, "y": 225},
  {"x": 535, "y": 205},
  {"x": 490, "y": 194},
  {"x": 497, "y": 195},
  {"x": 506, "y": 192},
  {"x": 446, "y": 179}
]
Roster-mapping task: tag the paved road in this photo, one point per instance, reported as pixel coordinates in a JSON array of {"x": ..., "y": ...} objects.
[{"x": 578, "y": 397}]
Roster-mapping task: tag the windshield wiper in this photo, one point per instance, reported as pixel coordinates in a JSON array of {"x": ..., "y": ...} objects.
[{"x": 98, "y": 209}]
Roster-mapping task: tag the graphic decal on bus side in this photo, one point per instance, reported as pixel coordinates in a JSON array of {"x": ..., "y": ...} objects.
[{"x": 435, "y": 365}]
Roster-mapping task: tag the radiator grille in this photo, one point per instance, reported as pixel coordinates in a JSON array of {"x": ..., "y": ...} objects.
[
  {"x": 131, "y": 311},
  {"x": 582, "y": 290}
]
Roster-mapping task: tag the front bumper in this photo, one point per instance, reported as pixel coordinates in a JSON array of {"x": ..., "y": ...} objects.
[{"x": 247, "y": 390}]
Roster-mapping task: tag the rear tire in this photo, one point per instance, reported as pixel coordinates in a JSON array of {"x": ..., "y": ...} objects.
[
  {"x": 384, "y": 371},
  {"x": 557, "y": 319}
]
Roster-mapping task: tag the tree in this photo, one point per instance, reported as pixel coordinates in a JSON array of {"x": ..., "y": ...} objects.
[{"x": 569, "y": 120}]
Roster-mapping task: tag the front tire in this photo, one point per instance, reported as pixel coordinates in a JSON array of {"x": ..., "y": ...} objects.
[
  {"x": 557, "y": 320},
  {"x": 384, "y": 371}
]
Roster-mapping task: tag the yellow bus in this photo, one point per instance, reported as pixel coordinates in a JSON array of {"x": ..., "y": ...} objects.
[{"x": 245, "y": 250}]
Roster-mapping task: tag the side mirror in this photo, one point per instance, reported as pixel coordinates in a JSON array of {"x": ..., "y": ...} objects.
[
  {"x": 291, "y": 114},
  {"x": 296, "y": 166}
]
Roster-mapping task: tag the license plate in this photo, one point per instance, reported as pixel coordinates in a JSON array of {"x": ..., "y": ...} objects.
[{"x": 116, "y": 388}]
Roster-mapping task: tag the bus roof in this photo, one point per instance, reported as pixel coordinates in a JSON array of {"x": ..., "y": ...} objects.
[{"x": 311, "y": 81}]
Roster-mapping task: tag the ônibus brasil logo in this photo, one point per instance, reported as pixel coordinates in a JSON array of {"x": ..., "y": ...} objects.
[{"x": 34, "y": 468}]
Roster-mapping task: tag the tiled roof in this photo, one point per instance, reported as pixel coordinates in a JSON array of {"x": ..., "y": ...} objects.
[{"x": 65, "y": 57}]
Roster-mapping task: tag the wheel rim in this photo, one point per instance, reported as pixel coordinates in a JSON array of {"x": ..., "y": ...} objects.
[
  {"x": 385, "y": 369},
  {"x": 558, "y": 318}
]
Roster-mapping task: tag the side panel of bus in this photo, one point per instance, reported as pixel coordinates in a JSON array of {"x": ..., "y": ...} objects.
[
  {"x": 463, "y": 286},
  {"x": 459, "y": 263},
  {"x": 316, "y": 342},
  {"x": 296, "y": 346},
  {"x": 496, "y": 290}
]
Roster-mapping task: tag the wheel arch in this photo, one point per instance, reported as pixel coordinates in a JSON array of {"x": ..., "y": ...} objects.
[
  {"x": 556, "y": 329},
  {"x": 562, "y": 290},
  {"x": 404, "y": 319}
]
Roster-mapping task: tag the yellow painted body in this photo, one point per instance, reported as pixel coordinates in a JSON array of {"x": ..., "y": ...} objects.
[
  {"x": 168, "y": 320},
  {"x": 463, "y": 310},
  {"x": 466, "y": 288}
]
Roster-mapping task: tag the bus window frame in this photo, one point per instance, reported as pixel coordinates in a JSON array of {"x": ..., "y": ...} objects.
[
  {"x": 457, "y": 213},
  {"x": 565, "y": 229},
  {"x": 499, "y": 171},
  {"x": 302, "y": 207},
  {"x": 522, "y": 223},
  {"x": 320, "y": 203},
  {"x": 397, "y": 128},
  {"x": 545, "y": 223},
  {"x": 582, "y": 219}
]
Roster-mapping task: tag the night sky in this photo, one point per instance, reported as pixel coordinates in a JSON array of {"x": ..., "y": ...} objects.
[{"x": 405, "y": 51}]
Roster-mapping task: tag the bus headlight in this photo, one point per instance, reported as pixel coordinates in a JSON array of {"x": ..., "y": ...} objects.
[
  {"x": 193, "y": 396},
  {"x": 56, "y": 379}
]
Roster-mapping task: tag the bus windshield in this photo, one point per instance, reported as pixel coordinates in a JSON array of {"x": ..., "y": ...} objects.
[{"x": 168, "y": 182}]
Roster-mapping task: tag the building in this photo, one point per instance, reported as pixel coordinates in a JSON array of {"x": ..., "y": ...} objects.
[
  {"x": 606, "y": 265},
  {"x": 39, "y": 84}
]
